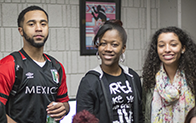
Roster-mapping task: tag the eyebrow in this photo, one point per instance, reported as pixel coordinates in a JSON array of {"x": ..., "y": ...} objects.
[
  {"x": 35, "y": 21},
  {"x": 161, "y": 41}
]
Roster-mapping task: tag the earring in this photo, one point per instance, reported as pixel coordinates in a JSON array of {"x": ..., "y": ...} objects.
[
  {"x": 97, "y": 54},
  {"x": 122, "y": 57},
  {"x": 182, "y": 52}
]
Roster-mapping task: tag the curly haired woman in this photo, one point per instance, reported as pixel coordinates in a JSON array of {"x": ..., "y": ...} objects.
[{"x": 169, "y": 76}]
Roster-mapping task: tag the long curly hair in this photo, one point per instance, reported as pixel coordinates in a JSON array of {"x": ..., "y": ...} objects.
[{"x": 187, "y": 61}]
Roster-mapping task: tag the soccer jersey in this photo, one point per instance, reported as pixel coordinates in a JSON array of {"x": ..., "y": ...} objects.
[
  {"x": 39, "y": 87},
  {"x": 122, "y": 98}
]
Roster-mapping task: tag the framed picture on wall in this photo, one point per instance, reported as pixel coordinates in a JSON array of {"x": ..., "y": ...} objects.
[{"x": 93, "y": 13}]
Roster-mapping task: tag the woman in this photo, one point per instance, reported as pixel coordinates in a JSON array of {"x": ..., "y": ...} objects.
[
  {"x": 191, "y": 116},
  {"x": 111, "y": 92},
  {"x": 169, "y": 76}
]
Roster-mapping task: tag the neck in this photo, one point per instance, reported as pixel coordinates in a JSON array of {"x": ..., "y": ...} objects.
[
  {"x": 112, "y": 70},
  {"x": 171, "y": 71},
  {"x": 35, "y": 53}
]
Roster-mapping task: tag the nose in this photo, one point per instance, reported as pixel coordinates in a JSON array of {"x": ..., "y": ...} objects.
[
  {"x": 167, "y": 48},
  {"x": 108, "y": 47},
  {"x": 38, "y": 28}
]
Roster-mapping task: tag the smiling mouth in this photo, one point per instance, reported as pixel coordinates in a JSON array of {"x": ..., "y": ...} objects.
[
  {"x": 168, "y": 57},
  {"x": 108, "y": 56}
]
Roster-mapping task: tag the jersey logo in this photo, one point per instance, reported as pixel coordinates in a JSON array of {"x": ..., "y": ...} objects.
[
  {"x": 55, "y": 75},
  {"x": 29, "y": 75}
]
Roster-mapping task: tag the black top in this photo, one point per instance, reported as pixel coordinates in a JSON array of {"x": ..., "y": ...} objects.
[
  {"x": 91, "y": 97},
  {"x": 3, "y": 118}
]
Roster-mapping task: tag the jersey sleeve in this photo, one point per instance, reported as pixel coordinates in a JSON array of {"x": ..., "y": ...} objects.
[
  {"x": 7, "y": 77},
  {"x": 62, "y": 94}
]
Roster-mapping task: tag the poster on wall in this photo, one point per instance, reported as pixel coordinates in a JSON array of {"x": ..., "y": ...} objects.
[{"x": 93, "y": 13}]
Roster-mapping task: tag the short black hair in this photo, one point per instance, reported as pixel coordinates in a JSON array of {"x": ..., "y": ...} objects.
[
  {"x": 23, "y": 12},
  {"x": 113, "y": 24}
]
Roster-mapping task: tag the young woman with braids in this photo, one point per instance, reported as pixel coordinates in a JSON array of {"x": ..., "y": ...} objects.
[
  {"x": 169, "y": 76},
  {"x": 111, "y": 92}
]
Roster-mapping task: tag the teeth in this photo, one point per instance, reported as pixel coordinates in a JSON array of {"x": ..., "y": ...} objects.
[
  {"x": 168, "y": 56},
  {"x": 108, "y": 57}
]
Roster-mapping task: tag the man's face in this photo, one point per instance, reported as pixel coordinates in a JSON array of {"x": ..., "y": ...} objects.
[{"x": 35, "y": 28}]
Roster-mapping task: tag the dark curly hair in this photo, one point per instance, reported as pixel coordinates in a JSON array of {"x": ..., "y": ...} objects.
[{"x": 187, "y": 61}]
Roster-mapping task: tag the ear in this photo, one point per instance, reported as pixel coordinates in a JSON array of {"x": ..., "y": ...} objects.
[
  {"x": 183, "y": 49},
  {"x": 123, "y": 49},
  {"x": 20, "y": 31}
]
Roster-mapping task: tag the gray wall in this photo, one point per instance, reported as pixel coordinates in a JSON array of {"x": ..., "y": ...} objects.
[
  {"x": 168, "y": 13},
  {"x": 189, "y": 17},
  {"x": 180, "y": 13}
]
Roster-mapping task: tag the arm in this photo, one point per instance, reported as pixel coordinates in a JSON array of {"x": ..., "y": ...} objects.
[
  {"x": 58, "y": 110},
  {"x": 139, "y": 93},
  {"x": 141, "y": 116},
  {"x": 3, "y": 118},
  {"x": 9, "y": 119},
  {"x": 7, "y": 79},
  {"x": 85, "y": 97}
]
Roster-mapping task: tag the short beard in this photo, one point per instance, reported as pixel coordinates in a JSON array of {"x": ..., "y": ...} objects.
[{"x": 32, "y": 42}]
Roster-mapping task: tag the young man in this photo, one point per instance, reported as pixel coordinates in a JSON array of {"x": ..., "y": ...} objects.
[{"x": 42, "y": 82}]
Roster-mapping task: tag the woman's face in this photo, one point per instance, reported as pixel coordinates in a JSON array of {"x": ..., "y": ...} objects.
[
  {"x": 169, "y": 48},
  {"x": 110, "y": 48},
  {"x": 193, "y": 120}
]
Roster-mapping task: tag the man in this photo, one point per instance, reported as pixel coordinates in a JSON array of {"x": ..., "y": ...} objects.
[{"x": 42, "y": 83}]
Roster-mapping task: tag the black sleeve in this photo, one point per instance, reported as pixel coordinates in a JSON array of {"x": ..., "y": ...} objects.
[
  {"x": 3, "y": 118},
  {"x": 85, "y": 96},
  {"x": 139, "y": 88}
]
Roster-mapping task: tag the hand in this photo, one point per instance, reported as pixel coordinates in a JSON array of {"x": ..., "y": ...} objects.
[{"x": 57, "y": 110}]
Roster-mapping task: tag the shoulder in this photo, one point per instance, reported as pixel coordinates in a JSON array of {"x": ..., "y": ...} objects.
[
  {"x": 131, "y": 71},
  {"x": 90, "y": 80},
  {"x": 7, "y": 59},
  {"x": 91, "y": 76},
  {"x": 50, "y": 58},
  {"x": 53, "y": 60},
  {"x": 7, "y": 64}
]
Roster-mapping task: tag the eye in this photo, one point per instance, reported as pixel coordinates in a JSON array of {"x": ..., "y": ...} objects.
[
  {"x": 114, "y": 45},
  {"x": 160, "y": 45},
  {"x": 174, "y": 45},
  {"x": 102, "y": 44},
  {"x": 43, "y": 24},
  {"x": 31, "y": 24}
]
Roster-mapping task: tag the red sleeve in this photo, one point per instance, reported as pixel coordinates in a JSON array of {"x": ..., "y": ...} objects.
[
  {"x": 62, "y": 95},
  {"x": 7, "y": 77}
]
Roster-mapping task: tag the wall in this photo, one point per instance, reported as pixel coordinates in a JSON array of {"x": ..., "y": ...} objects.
[
  {"x": 189, "y": 17},
  {"x": 168, "y": 13},
  {"x": 63, "y": 42},
  {"x": 180, "y": 13}
]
